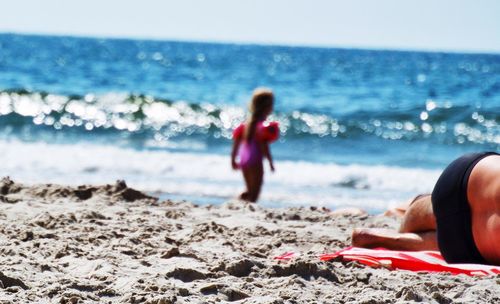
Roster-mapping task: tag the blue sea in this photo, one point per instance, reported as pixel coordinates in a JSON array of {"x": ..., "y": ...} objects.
[{"x": 363, "y": 128}]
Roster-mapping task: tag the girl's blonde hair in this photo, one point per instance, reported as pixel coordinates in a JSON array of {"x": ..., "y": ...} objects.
[{"x": 261, "y": 103}]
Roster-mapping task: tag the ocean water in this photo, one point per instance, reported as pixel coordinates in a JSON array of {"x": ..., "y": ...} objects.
[{"x": 358, "y": 127}]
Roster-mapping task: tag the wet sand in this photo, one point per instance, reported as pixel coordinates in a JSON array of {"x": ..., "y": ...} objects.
[{"x": 113, "y": 244}]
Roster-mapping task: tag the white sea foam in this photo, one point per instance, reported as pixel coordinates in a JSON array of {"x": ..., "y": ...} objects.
[{"x": 210, "y": 176}]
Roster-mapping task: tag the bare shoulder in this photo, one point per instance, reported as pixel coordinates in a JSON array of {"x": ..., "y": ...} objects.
[
  {"x": 484, "y": 181},
  {"x": 484, "y": 197},
  {"x": 490, "y": 163}
]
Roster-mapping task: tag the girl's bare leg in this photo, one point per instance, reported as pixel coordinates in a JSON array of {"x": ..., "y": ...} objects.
[
  {"x": 247, "y": 177},
  {"x": 256, "y": 182},
  {"x": 253, "y": 176}
]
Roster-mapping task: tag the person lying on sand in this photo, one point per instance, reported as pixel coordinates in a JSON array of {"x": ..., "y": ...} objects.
[{"x": 461, "y": 218}]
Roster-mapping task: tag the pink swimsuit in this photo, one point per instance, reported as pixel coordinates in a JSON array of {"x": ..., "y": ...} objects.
[{"x": 249, "y": 152}]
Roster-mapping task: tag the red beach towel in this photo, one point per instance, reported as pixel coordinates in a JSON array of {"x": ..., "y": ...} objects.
[{"x": 430, "y": 261}]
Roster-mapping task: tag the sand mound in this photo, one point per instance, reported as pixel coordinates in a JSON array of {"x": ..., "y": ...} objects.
[{"x": 11, "y": 192}]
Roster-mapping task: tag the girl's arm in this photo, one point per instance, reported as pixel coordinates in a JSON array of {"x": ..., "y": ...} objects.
[
  {"x": 236, "y": 144},
  {"x": 267, "y": 154}
]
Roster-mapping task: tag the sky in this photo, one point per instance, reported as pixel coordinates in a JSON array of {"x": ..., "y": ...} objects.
[{"x": 435, "y": 25}]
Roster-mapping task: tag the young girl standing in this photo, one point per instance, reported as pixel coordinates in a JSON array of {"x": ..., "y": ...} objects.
[{"x": 251, "y": 143}]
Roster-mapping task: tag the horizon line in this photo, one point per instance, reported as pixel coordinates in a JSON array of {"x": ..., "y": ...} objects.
[{"x": 256, "y": 43}]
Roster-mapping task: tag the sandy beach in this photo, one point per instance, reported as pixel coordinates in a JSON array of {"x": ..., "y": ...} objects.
[{"x": 114, "y": 244}]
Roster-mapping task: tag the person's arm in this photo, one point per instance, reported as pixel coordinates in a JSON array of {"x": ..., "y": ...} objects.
[
  {"x": 236, "y": 144},
  {"x": 267, "y": 154},
  {"x": 237, "y": 137}
]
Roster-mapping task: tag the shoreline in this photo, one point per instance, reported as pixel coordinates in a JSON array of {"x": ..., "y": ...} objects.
[{"x": 114, "y": 244}]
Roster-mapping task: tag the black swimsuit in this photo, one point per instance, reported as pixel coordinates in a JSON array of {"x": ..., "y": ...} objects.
[{"x": 452, "y": 210}]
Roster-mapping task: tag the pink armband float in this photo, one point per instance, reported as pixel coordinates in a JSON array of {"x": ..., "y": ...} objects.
[
  {"x": 269, "y": 131},
  {"x": 238, "y": 132},
  {"x": 266, "y": 131}
]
